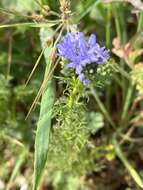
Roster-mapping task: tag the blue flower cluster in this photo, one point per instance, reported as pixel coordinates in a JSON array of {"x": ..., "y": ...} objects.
[{"x": 81, "y": 52}]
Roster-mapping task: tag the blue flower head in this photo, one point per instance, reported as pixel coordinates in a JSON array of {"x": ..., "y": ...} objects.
[{"x": 81, "y": 52}]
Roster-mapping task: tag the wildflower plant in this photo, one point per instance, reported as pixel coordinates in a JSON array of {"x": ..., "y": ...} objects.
[{"x": 82, "y": 63}]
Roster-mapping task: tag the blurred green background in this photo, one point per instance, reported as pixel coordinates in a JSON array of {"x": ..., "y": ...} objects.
[{"x": 118, "y": 25}]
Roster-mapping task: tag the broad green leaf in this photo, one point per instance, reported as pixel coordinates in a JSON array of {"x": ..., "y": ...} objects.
[
  {"x": 126, "y": 163},
  {"x": 44, "y": 123}
]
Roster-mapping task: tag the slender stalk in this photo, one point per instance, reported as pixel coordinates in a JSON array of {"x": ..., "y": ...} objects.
[
  {"x": 140, "y": 22},
  {"x": 122, "y": 17},
  {"x": 102, "y": 107},
  {"x": 108, "y": 27},
  {"x": 108, "y": 44},
  {"x": 130, "y": 90},
  {"x": 9, "y": 57},
  {"x": 127, "y": 102},
  {"x": 117, "y": 21},
  {"x": 122, "y": 35},
  {"x": 133, "y": 173}
]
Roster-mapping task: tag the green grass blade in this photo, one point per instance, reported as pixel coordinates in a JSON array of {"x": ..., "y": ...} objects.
[
  {"x": 38, "y": 25},
  {"x": 127, "y": 102},
  {"x": 140, "y": 22},
  {"x": 87, "y": 8},
  {"x": 121, "y": 71},
  {"x": 44, "y": 123},
  {"x": 16, "y": 169},
  {"x": 128, "y": 166}
]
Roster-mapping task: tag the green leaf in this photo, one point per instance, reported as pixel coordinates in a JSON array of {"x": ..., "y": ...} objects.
[
  {"x": 30, "y": 24},
  {"x": 96, "y": 122},
  {"x": 44, "y": 123}
]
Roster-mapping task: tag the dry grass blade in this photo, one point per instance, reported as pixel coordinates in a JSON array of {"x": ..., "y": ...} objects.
[
  {"x": 40, "y": 56},
  {"x": 47, "y": 76},
  {"x": 42, "y": 88},
  {"x": 35, "y": 66}
]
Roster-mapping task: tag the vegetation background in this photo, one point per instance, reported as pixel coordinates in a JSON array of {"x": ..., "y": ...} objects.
[{"x": 114, "y": 112}]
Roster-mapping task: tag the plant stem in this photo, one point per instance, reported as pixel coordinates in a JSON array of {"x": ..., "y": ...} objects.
[
  {"x": 140, "y": 22},
  {"x": 117, "y": 22},
  {"x": 122, "y": 35},
  {"x": 102, "y": 107},
  {"x": 108, "y": 44},
  {"x": 134, "y": 174},
  {"x": 127, "y": 103},
  {"x": 108, "y": 27}
]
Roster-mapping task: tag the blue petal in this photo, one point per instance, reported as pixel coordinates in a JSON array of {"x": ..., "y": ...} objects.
[
  {"x": 79, "y": 69},
  {"x": 85, "y": 82},
  {"x": 70, "y": 65},
  {"x": 81, "y": 77},
  {"x": 92, "y": 40}
]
